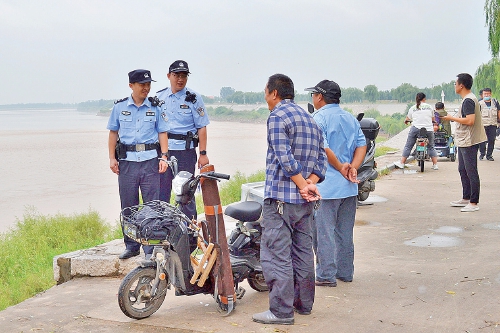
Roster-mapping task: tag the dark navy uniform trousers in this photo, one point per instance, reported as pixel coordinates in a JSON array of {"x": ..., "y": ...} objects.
[
  {"x": 287, "y": 257},
  {"x": 135, "y": 176}
]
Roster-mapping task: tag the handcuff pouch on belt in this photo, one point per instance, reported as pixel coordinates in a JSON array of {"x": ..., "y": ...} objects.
[
  {"x": 120, "y": 151},
  {"x": 189, "y": 137}
]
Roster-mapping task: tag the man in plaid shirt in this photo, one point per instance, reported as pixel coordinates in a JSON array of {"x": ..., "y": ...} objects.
[{"x": 295, "y": 162}]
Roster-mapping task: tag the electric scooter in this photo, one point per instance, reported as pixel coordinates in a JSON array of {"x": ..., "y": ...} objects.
[{"x": 191, "y": 256}]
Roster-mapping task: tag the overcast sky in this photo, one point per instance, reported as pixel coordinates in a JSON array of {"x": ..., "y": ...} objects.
[{"x": 78, "y": 50}]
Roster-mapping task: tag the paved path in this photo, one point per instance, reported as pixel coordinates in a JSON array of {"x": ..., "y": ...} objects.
[{"x": 420, "y": 266}]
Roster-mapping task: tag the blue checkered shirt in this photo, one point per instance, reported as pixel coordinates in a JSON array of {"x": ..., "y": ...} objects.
[{"x": 294, "y": 145}]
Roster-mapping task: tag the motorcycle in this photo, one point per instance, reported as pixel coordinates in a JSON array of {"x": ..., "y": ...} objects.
[
  {"x": 367, "y": 172},
  {"x": 421, "y": 152},
  {"x": 192, "y": 256}
]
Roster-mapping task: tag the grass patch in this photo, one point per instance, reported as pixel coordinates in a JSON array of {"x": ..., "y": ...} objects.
[
  {"x": 230, "y": 190},
  {"x": 28, "y": 249},
  {"x": 382, "y": 150}
]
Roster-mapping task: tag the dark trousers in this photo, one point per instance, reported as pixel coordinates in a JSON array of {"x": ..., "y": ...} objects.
[
  {"x": 491, "y": 132},
  {"x": 467, "y": 167},
  {"x": 186, "y": 160},
  {"x": 287, "y": 257},
  {"x": 132, "y": 177}
]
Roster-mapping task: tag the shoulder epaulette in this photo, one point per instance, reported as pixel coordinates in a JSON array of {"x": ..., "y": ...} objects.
[
  {"x": 121, "y": 100},
  {"x": 155, "y": 101},
  {"x": 162, "y": 89}
]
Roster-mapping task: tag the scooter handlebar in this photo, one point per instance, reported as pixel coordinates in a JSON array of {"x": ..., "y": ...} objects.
[{"x": 218, "y": 175}]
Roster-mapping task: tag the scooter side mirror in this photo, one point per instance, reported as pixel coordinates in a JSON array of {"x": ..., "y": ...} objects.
[
  {"x": 310, "y": 108},
  {"x": 360, "y": 116}
]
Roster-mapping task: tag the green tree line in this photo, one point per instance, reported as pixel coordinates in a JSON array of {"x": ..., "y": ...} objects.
[{"x": 404, "y": 93}]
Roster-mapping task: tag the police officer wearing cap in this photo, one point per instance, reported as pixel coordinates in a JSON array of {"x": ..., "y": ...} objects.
[
  {"x": 137, "y": 136},
  {"x": 187, "y": 119}
]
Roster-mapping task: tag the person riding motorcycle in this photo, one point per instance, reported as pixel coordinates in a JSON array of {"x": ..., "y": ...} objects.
[{"x": 421, "y": 115}]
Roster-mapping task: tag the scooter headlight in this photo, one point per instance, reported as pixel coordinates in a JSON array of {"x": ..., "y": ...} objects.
[{"x": 179, "y": 180}]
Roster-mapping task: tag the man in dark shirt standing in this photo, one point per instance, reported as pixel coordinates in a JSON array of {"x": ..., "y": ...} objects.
[
  {"x": 469, "y": 133},
  {"x": 295, "y": 162}
]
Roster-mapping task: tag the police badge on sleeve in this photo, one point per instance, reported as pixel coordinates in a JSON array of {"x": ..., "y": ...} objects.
[{"x": 201, "y": 111}]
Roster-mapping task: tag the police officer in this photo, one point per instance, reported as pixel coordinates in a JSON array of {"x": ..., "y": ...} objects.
[
  {"x": 187, "y": 119},
  {"x": 136, "y": 122}
]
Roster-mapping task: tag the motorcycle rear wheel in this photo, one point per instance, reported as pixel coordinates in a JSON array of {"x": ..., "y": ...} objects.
[
  {"x": 362, "y": 196},
  {"x": 422, "y": 166},
  {"x": 257, "y": 282},
  {"x": 134, "y": 294}
]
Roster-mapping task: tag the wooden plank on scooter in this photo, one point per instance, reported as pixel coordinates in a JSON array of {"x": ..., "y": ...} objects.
[
  {"x": 194, "y": 262},
  {"x": 203, "y": 260},
  {"x": 206, "y": 271}
]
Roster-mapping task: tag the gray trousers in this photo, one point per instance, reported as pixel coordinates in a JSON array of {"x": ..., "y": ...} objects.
[
  {"x": 287, "y": 257},
  {"x": 333, "y": 241}
]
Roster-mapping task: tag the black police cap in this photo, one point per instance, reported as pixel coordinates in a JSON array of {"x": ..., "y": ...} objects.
[
  {"x": 178, "y": 66},
  {"x": 140, "y": 76}
]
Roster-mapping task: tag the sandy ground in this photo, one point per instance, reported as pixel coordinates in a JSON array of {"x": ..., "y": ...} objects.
[{"x": 68, "y": 172}]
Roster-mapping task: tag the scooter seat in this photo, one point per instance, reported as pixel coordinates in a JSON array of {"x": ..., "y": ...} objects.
[{"x": 245, "y": 211}]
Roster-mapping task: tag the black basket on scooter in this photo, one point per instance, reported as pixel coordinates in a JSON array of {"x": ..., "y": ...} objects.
[{"x": 154, "y": 223}]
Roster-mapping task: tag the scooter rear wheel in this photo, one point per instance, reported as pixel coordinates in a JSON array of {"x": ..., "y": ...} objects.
[
  {"x": 257, "y": 282},
  {"x": 422, "y": 166},
  {"x": 134, "y": 294}
]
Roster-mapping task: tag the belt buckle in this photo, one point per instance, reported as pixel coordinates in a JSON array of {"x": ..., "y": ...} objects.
[{"x": 140, "y": 147}]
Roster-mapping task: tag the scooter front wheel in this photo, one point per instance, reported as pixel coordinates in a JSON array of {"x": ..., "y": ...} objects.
[
  {"x": 135, "y": 295},
  {"x": 257, "y": 282}
]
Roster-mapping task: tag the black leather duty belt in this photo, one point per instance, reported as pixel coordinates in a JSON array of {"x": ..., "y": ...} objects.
[
  {"x": 188, "y": 138},
  {"x": 142, "y": 146}
]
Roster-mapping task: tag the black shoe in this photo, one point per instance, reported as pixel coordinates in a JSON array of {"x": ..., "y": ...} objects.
[
  {"x": 267, "y": 317},
  {"x": 302, "y": 311},
  {"x": 129, "y": 254},
  {"x": 490, "y": 158},
  {"x": 481, "y": 157},
  {"x": 344, "y": 279},
  {"x": 326, "y": 283}
]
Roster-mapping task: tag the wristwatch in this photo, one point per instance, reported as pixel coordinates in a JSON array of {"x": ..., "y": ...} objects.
[
  {"x": 165, "y": 154},
  {"x": 203, "y": 152}
]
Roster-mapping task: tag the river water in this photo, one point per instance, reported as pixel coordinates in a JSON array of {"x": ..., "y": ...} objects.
[{"x": 56, "y": 161}]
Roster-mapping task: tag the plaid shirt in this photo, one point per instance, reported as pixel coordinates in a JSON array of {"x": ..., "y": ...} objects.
[{"x": 295, "y": 145}]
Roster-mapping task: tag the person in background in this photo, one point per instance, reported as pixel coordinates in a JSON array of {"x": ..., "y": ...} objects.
[
  {"x": 480, "y": 95},
  {"x": 295, "y": 162},
  {"x": 440, "y": 110},
  {"x": 136, "y": 135},
  {"x": 469, "y": 133},
  {"x": 345, "y": 147},
  {"x": 421, "y": 115},
  {"x": 187, "y": 119},
  {"x": 490, "y": 113}
]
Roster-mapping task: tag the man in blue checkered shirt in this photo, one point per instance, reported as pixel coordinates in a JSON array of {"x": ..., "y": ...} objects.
[{"x": 295, "y": 162}]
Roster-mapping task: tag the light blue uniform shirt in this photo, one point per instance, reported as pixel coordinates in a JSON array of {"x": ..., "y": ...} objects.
[
  {"x": 182, "y": 116},
  {"x": 342, "y": 134},
  {"x": 137, "y": 125}
]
